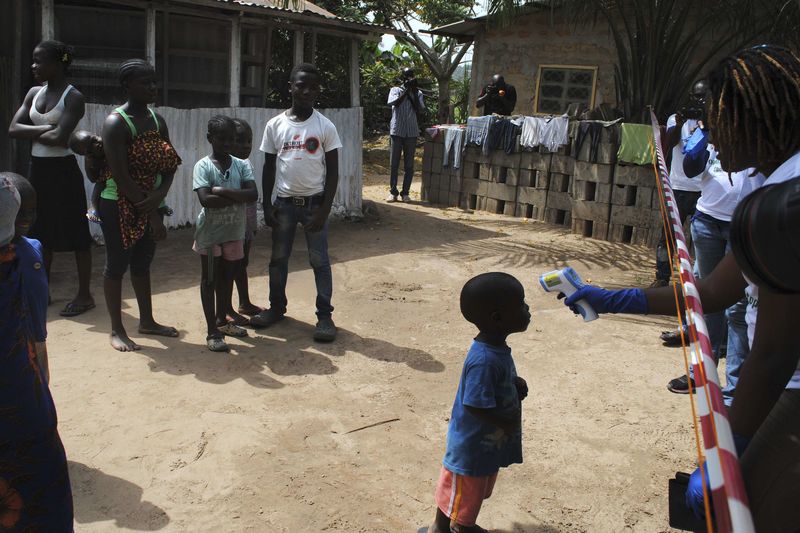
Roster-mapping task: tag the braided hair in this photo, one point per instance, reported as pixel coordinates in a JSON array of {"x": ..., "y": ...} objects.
[
  {"x": 132, "y": 68},
  {"x": 219, "y": 123},
  {"x": 58, "y": 52},
  {"x": 754, "y": 107}
]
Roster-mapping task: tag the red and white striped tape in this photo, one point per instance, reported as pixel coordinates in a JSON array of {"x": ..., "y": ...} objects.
[{"x": 731, "y": 511}]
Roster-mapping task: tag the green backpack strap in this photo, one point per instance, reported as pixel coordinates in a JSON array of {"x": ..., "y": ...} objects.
[
  {"x": 128, "y": 120},
  {"x": 155, "y": 119}
]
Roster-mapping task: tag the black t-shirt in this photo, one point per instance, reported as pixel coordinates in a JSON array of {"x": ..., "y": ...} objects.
[{"x": 502, "y": 104}]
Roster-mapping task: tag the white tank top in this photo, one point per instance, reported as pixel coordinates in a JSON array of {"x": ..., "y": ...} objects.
[{"x": 51, "y": 117}]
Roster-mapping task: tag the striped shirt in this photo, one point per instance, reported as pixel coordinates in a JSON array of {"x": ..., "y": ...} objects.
[{"x": 404, "y": 119}]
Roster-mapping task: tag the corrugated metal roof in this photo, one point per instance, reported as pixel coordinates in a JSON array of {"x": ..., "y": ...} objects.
[{"x": 308, "y": 8}]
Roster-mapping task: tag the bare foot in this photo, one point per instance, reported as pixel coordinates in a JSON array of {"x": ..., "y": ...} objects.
[
  {"x": 249, "y": 309},
  {"x": 122, "y": 343},
  {"x": 154, "y": 328},
  {"x": 238, "y": 319}
]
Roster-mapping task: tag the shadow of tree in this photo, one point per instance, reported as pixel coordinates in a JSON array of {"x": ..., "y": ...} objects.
[{"x": 99, "y": 497}]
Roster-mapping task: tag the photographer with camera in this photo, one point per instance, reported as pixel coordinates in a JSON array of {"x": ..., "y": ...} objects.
[
  {"x": 498, "y": 97},
  {"x": 407, "y": 103}
]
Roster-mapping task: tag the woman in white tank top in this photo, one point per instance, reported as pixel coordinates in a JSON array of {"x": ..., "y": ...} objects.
[{"x": 47, "y": 117}]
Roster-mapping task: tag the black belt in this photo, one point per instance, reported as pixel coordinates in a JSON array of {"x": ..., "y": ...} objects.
[{"x": 301, "y": 201}]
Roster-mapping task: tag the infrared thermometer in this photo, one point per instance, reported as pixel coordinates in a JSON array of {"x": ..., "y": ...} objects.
[{"x": 567, "y": 281}]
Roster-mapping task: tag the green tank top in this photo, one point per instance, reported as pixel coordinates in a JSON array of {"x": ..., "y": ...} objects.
[{"x": 110, "y": 191}]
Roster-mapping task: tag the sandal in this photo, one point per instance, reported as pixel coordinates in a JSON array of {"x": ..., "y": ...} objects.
[
  {"x": 73, "y": 309},
  {"x": 216, "y": 343},
  {"x": 232, "y": 330},
  {"x": 93, "y": 216}
]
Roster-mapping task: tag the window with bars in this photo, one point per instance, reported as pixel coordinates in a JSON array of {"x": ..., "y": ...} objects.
[{"x": 558, "y": 86}]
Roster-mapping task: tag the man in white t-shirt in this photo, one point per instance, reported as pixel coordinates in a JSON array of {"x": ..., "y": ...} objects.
[{"x": 302, "y": 167}]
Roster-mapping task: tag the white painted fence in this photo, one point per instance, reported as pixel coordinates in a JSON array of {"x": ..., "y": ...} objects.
[{"x": 187, "y": 130}]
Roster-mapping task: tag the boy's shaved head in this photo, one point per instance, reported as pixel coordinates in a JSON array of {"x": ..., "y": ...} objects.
[
  {"x": 23, "y": 186},
  {"x": 488, "y": 293}
]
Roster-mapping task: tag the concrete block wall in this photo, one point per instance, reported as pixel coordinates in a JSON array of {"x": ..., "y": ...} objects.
[{"x": 601, "y": 199}]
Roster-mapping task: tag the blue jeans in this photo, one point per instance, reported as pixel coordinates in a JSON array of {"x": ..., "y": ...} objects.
[
  {"x": 289, "y": 216},
  {"x": 711, "y": 243},
  {"x": 687, "y": 202},
  {"x": 406, "y": 145}
]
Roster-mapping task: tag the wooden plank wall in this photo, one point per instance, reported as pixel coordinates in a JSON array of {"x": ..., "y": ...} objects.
[{"x": 188, "y": 133}]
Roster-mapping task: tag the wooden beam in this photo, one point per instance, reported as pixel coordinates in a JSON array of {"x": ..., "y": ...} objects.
[
  {"x": 48, "y": 20},
  {"x": 165, "y": 57},
  {"x": 150, "y": 35},
  {"x": 265, "y": 89},
  {"x": 236, "y": 61},
  {"x": 355, "y": 74},
  {"x": 299, "y": 47}
]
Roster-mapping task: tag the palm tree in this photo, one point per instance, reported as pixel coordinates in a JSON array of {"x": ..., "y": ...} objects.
[{"x": 664, "y": 45}]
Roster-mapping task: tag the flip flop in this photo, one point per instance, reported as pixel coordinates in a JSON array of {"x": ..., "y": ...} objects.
[
  {"x": 73, "y": 309},
  {"x": 216, "y": 344},
  {"x": 232, "y": 330}
]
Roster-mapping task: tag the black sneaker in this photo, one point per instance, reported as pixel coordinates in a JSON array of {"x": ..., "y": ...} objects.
[
  {"x": 673, "y": 338},
  {"x": 265, "y": 318},
  {"x": 325, "y": 330},
  {"x": 681, "y": 385}
]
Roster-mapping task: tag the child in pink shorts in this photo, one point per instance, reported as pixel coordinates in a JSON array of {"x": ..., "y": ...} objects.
[
  {"x": 485, "y": 433},
  {"x": 224, "y": 184}
]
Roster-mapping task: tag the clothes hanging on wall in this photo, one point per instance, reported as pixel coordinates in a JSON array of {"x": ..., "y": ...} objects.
[
  {"x": 478, "y": 131},
  {"x": 453, "y": 142},
  {"x": 636, "y": 144},
  {"x": 550, "y": 132},
  {"x": 594, "y": 130}
]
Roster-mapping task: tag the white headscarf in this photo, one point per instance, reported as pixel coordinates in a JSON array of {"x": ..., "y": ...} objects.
[{"x": 9, "y": 206}]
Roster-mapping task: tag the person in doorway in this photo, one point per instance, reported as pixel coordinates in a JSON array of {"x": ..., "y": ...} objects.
[
  {"x": 141, "y": 166},
  {"x": 47, "y": 117},
  {"x": 302, "y": 166},
  {"x": 407, "y": 103},
  {"x": 498, "y": 98}
]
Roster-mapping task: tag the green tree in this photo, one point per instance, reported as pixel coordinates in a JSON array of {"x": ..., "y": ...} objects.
[{"x": 663, "y": 45}]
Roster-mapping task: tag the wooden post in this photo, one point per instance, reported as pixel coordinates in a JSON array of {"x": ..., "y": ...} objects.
[
  {"x": 265, "y": 87},
  {"x": 355, "y": 74},
  {"x": 236, "y": 61},
  {"x": 150, "y": 35},
  {"x": 165, "y": 56},
  {"x": 48, "y": 20},
  {"x": 299, "y": 45}
]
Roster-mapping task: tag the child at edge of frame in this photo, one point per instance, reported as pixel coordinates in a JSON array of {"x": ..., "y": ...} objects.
[
  {"x": 224, "y": 184},
  {"x": 484, "y": 434}
]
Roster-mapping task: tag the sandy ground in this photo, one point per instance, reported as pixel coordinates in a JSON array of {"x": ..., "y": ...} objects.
[{"x": 175, "y": 438}]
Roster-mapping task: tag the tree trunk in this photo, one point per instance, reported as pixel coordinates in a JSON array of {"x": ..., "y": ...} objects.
[{"x": 445, "y": 115}]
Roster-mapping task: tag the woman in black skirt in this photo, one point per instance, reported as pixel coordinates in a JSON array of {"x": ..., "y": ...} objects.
[{"x": 47, "y": 117}]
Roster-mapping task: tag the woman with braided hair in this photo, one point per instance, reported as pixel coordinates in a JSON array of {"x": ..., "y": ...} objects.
[
  {"x": 754, "y": 122},
  {"x": 47, "y": 117},
  {"x": 141, "y": 166}
]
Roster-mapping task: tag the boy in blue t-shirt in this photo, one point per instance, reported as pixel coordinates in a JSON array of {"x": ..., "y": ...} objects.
[
  {"x": 485, "y": 426},
  {"x": 224, "y": 184},
  {"x": 34, "y": 277}
]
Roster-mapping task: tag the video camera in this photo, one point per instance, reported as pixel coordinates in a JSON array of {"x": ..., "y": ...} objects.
[
  {"x": 765, "y": 236},
  {"x": 693, "y": 111}
]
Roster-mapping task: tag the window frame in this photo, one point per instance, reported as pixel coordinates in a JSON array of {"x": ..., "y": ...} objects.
[{"x": 593, "y": 69}]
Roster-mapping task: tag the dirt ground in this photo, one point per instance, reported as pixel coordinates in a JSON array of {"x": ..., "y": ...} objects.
[{"x": 176, "y": 438}]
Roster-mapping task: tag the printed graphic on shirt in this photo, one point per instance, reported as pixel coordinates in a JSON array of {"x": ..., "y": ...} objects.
[{"x": 311, "y": 145}]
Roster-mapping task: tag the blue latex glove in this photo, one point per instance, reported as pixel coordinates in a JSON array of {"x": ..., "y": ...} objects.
[
  {"x": 696, "y": 144},
  {"x": 694, "y": 492},
  {"x": 630, "y": 301}
]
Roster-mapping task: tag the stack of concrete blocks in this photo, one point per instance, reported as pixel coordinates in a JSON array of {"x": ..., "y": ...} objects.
[
  {"x": 440, "y": 184},
  {"x": 591, "y": 189},
  {"x": 474, "y": 190},
  {"x": 533, "y": 184},
  {"x": 635, "y": 215}
]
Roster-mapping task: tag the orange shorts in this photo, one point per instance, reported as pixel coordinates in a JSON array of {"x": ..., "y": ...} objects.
[
  {"x": 230, "y": 251},
  {"x": 460, "y": 497}
]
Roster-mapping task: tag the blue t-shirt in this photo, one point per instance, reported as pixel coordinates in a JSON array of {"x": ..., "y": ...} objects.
[
  {"x": 216, "y": 225},
  {"x": 475, "y": 448},
  {"x": 34, "y": 285}
]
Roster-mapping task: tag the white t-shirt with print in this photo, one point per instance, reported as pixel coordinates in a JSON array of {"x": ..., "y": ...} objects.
[
  {"x": 790, "y": 169},
  {"x": 300, "y": 148},
  {"x": 677, "y": 178},
  {"x": 720, "y": 191}
]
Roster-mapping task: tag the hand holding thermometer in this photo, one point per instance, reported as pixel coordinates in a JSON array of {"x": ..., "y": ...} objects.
[{"x": 567, "y": 281}]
